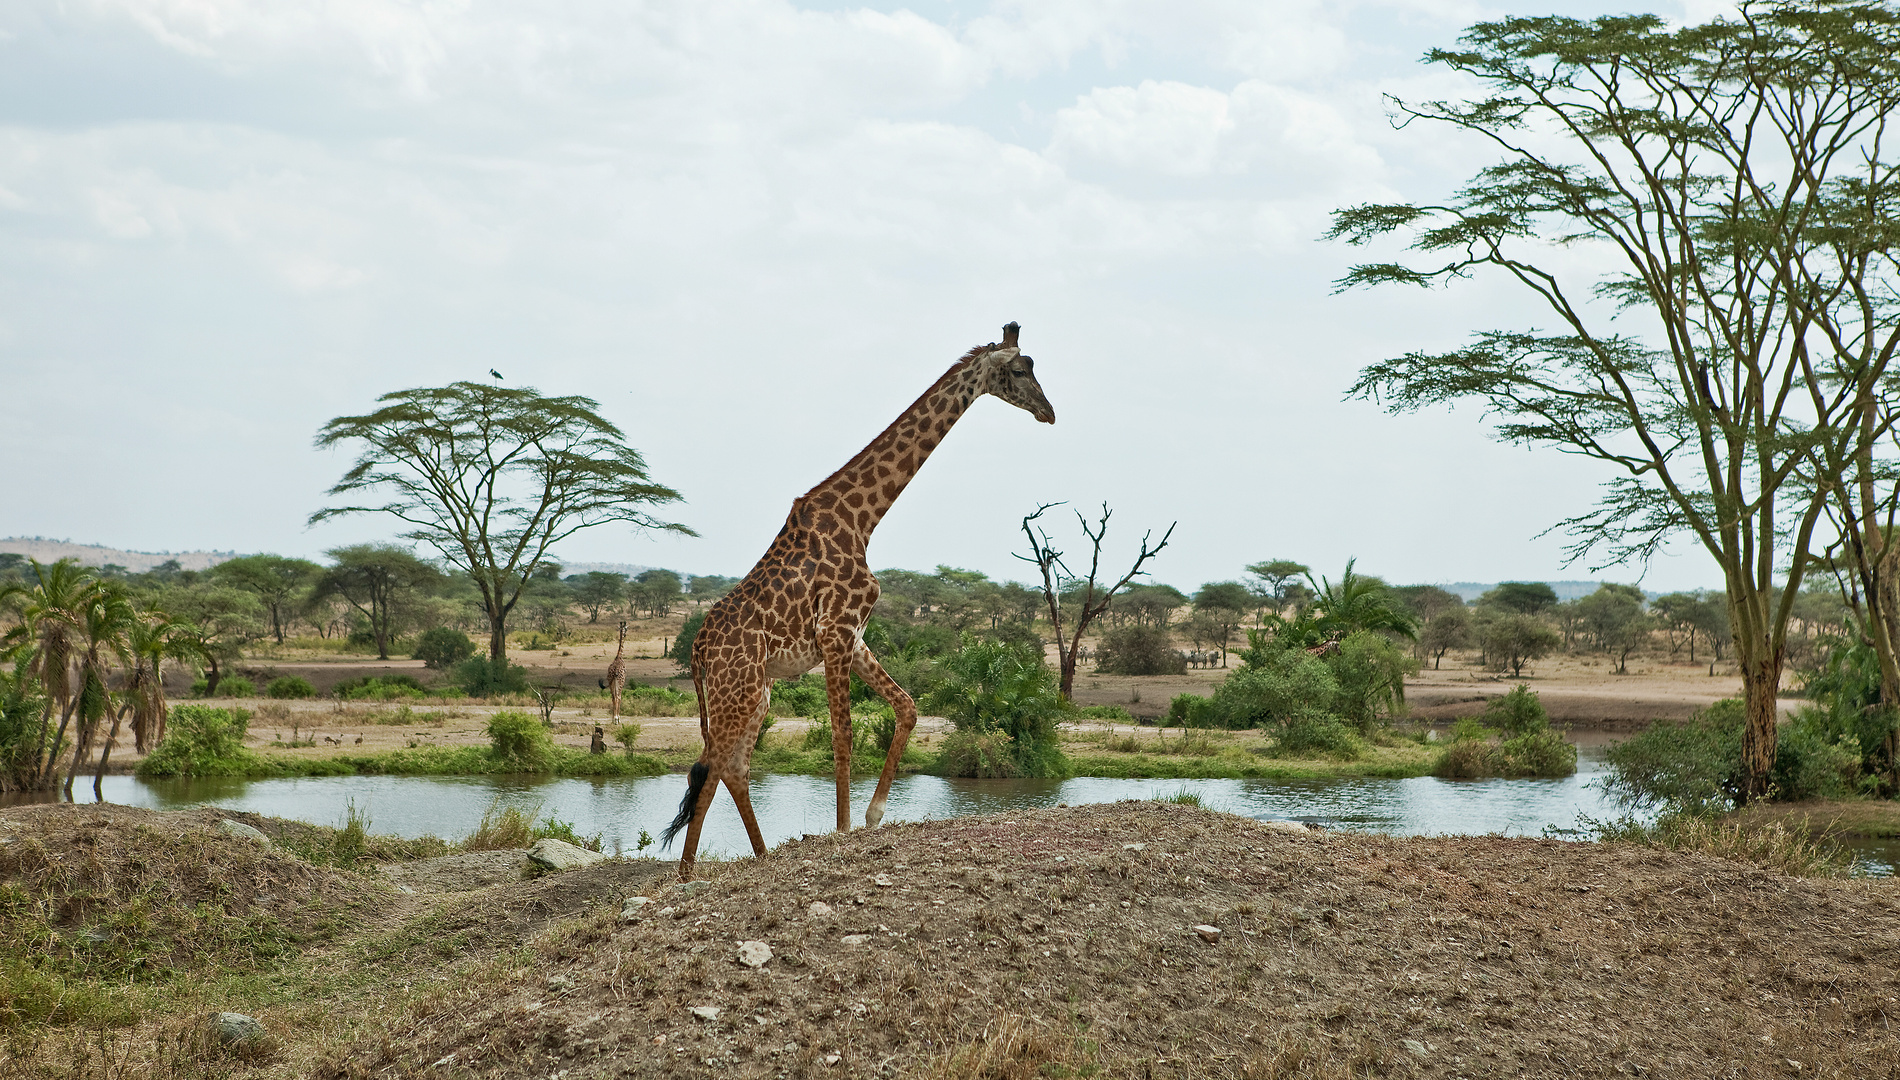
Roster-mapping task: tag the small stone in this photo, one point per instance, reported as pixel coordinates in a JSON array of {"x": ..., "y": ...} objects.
[
  {"x": 882, "y": 881},
  {"x": 558, "y": 983},
  {"x": 819, "y": 910},
  {"x": 551, "y": 854},
  {"x": 238, "y": 828},
  {"x": 832, "y": 1059},
  {"x": 405, "y": 890},
  {"x": 760, "y": 1020},
  {"x": 754, "y": 954},
  {"x": 1413, "y": 1047},
  {"x": 1134, "y": 847},
  {"x": 443, "y": 1062},
  {"x": 856, "y": 939},
  {"x": 705, "y": 1012},
  {"x": 236, "y": 1029},
  {"x": 688, "y": 888},
  {"x": 1209, "y": 934},
  {"x": 633, "y": 907},
  {"x": 1293, "y": 828},
  {"x": 673, "y": 911}
]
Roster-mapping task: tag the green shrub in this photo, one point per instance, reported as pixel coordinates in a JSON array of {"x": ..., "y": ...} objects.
[
  {"x": 1311, "y": 733},
  {"x": 443, "y": 647},
  {"x": 1193, "y": 711},
  {"x": 984, "y": 755},
  {"x": 1273, "y": 687},
  {"x": 681, "y": 652},
  {"x": 1692, "y": 765},
  {"x": 385, "y": 687},
  {"x": 1112, "y": 713},
  {"x": 626, "y": 735},
  {"x": 290, "y": 686},
  {"x": 1370, "y": 672},
  {"x": 478, "y": 677},
  {"x": 229, "y": 686},
  {"x": 521, "y": 741},
  {"x": 1518, "y": 712},
  {"x": 554, "y": 828},
  {"x": 1139, "y": 650},
  {"x": 1538, "y": 754},
  {"x": 997, "y": 686},
  {"x": 201, "y": 741}
]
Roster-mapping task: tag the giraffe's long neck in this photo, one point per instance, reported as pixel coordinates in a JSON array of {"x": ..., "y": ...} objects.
[{"x": 861, "y": 493}]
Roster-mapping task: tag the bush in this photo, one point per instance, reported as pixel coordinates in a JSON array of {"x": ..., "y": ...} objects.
[
  {"x": 1193, "y": 711},
  {"x": 443, "y": 647},
  {"x": 1139, "y": 650},
  {"x": 1518, "y": 712},
  {"x": 681, "y": 652},
  {"x": 1370, "y": 672},
  {"x": 480, "y": 678},
  {"x": 1693, "y": 765},
  {"x": 996, "y": 686},
  {"x": 626, "y": 735},
  {"x": 1312, "y": 733},
  {"x": 1112, "y": 713},
  {"x": 229, "y": 686},
  {"x": 984, "y": 755},
  {"x": 1529, "y": 748},
  {"x": 520, "y": 740},
  {"x": 201, "y": 741},
  {"x": 290, "y": 686},
  {"x": 379, "y": 688},
  {"x": 1273, "y": 687}
]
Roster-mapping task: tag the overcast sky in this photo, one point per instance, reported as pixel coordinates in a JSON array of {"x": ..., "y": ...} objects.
[{"x": 753, "y": 231}]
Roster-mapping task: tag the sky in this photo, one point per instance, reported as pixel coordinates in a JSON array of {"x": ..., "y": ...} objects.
[{"x": 754, "y": 232}]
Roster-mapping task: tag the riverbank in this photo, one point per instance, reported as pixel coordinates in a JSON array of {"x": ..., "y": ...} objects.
[{"x": 1115, "y": 940}]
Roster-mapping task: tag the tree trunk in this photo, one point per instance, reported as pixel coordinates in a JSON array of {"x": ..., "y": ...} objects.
[
  {"x": 105, "y": 752},
  {"x": 213, "y": 676},
  {"x": 1761, "y": 687}
]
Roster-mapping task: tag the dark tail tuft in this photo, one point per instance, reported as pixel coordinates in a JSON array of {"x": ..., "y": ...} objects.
[{"x": 695, "y": 783}]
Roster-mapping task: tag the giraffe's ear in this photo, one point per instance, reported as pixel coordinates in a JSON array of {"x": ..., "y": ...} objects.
[{"x": 1010, "y": 330}]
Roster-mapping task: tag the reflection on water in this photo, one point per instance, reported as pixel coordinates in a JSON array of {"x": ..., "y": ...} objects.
[{"x": 789, "y": 806}]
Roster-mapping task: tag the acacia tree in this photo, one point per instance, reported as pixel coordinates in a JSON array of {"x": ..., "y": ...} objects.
[
  {"x": 492, "y": 477},
  {"x": 378, "y": 580},
  {"x": 1090, "y": 598},
  {"x": 278, "y": 581},
  {"x": 1727, "y": 173}
]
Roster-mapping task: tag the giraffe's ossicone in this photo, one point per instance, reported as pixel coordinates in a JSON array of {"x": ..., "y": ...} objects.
[{"x": 806, "y": 602}]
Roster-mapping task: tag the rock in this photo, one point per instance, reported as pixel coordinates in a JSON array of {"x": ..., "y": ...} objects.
[
  {"x": 1134, "y": 847},
  {"x": 882, "y": 881},
  {"x": 1209, "y": 934},
  {"x": 705, "y": 1012},
  {"x": 688, "y": 888},
  {"x": 558, "y": 983},
  {"x": 561, "y": 855},
  {"x": 633, "y": 907},
  {"x": 238, "y": 828},
  {"x": 831, "y": 1059},
  {"x": 755, "y": 954},
  {"x": 673, "y": 911},
  {"x": 1290, "y": 827},
  {"x": 1413, "y": 1047},
  {"x": 819, "y": 910},
  {"x": 856, "y": 939},
  {"x": 235, "y": 1029}
]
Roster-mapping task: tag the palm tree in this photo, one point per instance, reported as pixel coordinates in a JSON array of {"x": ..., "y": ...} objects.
[
  {"x": 107, "y": 624},
  {"x": 52, "y": 614},
  {"x": 154, "y": 639},
  {"x": 1359, "y": 603}
]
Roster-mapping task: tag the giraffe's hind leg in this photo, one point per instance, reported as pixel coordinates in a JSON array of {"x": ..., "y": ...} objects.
[
  {"x": 738, "y": 773},
  {"x": 874, "y": 675}
]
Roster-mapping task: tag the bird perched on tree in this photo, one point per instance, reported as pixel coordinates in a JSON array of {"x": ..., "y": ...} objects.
[{"x": 495, "y": 373}]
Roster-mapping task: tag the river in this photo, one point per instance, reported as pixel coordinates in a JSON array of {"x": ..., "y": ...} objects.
[{"x": 619, "y": 810}]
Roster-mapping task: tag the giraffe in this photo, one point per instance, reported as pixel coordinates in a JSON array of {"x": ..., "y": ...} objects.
[
  {"x": 617, "y": 671},
  {"x": 807, "y": 600}
]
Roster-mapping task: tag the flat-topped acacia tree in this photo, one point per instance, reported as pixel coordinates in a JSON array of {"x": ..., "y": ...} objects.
[
  {"x": 492, "y": 477},
  {"x": 1727, "y": 194}
]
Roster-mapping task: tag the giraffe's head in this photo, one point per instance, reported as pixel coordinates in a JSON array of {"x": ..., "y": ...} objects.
[{"x": 1010, "y": 375}]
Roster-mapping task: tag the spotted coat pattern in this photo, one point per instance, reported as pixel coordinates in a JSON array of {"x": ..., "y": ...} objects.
[
  {"x": 617, "y": 671},
  {"x": 806, "y": 602}
]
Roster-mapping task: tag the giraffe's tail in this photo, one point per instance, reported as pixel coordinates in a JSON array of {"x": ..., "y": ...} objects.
[{"x": 695, "y": 783}]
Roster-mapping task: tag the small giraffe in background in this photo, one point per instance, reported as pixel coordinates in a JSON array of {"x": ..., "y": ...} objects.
[
  {"x": 617, "y": 671},
  {"x": 807, "y": 600}
]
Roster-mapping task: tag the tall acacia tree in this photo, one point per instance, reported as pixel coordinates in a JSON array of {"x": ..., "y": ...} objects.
[
  {"x": 1729, "y": 189},
  {"x": 492, "y": 477}
]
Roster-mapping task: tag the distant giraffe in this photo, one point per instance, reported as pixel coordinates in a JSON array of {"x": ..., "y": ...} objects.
[
  {"x": 617, "y": 671},
  {"x": 807, "y": 600}
]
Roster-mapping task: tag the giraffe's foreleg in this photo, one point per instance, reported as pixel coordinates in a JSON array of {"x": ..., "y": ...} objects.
[
  {"x": 837, "y": 648},
  {"x": 878, "y": 679}
]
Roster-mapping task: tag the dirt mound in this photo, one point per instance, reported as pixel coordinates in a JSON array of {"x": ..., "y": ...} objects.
[
  {"x": 1065, "y": 942},
  {"x": 118, "y": 890}
]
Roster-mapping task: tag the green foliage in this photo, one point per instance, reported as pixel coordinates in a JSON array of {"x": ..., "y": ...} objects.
[
  {"x": 1181, "y": 797},
  {"x": 1514, "y": 640},
  {"x": 385, "y": 687},
  {"x": 442, "y": 647},
  {"x": 201, "y": 741},
  {"x": 21, "y": 705},
  {"x": 1312, "y": 733},
  {"x": 1139, "y": 650},
  {"x": 1273, "y": 686},
  {"x": 1844, "y": 691},
  {"x": 520, "y": 741},
  {"x": 480, "y": 677},
  {"x": 1519, "y": 712},
  {"x": 1112, "y": 713},
  {"x": 995, "y": 686},
  {"x": 1692, "y": 765},
  {"x": 290, "y": 687},
  {"x": 1540, "y": 753},
  {"x": 1370, "y": 672},
  {"x": 626, "y": 735},
  {"x": 1522, "y": 597},
  {"x": 1194, "y": 711},
  {"x": 984, "y": 755},
  {"x": 681, "y": 652}
]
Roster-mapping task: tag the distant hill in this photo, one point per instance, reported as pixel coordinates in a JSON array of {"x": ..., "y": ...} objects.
[
  {"x": 1565, "y": 590},
  {"x": 46, "y": 551}
]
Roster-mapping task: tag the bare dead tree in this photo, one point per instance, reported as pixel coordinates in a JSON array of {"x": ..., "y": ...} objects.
[{"x": 1094, "y": 598}]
